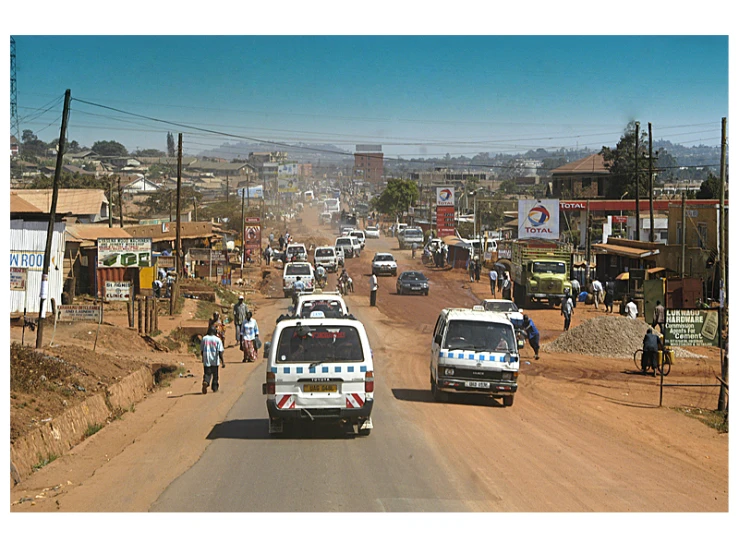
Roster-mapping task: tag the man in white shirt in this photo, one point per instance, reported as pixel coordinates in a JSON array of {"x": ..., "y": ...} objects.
[
  {"x": 631, "y": 310},
  {"x": 493, "y": 280},
  {"x": 597, "y": 292},
  {"x": 567, "y": 308},
  {"x": 373, "y": 289}
]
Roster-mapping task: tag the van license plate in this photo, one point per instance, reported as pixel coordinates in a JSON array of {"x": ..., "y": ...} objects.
[
  {"x": 477, "y": 384},
  {"x": 320, "y": 388}
]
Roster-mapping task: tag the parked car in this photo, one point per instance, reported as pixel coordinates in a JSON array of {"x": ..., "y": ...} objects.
[
  {"x": 372, "y": 232},
  {"x": 412, "y": 282},
  {"x": 384, "y": 264}
]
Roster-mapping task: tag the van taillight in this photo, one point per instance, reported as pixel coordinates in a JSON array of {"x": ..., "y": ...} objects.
[
  {"x": 369, "y": 382},
  {"x": 270, "y": 382}
]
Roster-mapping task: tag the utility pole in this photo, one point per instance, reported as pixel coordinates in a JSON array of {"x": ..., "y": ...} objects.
[
  {"x": 723, "y": 400},
  {"x": 110, "y": 203},
  {"x": 636, "y": 179},
  {"x": 589, "y": 219},
  {"x": 178, "y": 260},
  {"x": 683, "y": 238},
  {"x": 651, "y": 189},
  {"x": 241, "y": 231},
  {"x": 52, "y": 217},
  {"x": 120, "y": 202},
  {"x": 227, "y": 189}
]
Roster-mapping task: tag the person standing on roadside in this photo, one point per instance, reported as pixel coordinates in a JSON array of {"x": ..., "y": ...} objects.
[
  {"x": 281, "y": 242},
  {"x": 471, "y": 268},
  {"x": 249, "y": 334},
  {"x": 373, "y": 289},
  {"x": 567, "y": 308},
  {"x": 240, "y": 310},
  {"x": 211, "y": 348},
  {"x": 610, "y": 295},
  {"x": 507, "y": 286},
  {"x": 631, "y": 309},
  {"x": 493, "y": 280},
  {"x": 575, "y": 291},
  {"x": 658, "y": 317},
  {"x": 532, "y": 334},
  {"x": 478, "y": 267}
]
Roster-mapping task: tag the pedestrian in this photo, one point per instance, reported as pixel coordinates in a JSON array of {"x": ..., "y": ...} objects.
[
  {"x": 610, "y": 295},
  {"x": 267, "y": 254},
  {"x": 216, "y": 323},
  {"x": 471, "y": 268},
  {"x": 493, "y": 280},
  {"x": 658, "y": 317},
  {"x": 373, "y": 289},
  {"x": 567, "y": 308},
  {"x": 478, "y": 267},
  {"x": 507, "y": 286},
  {"x": 501, "y": 275},
  {"x": 249, "y": 335},
  {"x": 157, "y": 288},
  {"x": 271, "y": 238},
  {"x": 281, "y": 242},
  {"x": 575, "y": 284},
  {"x": 532, "y": 334},
  {"x": 414, "y": 247},
  {"x": 631, "y": 309},
  {"x": 596, "y": 288},
  {"x": 211, "y": 348},
  {"x": 239, "y": 311}
]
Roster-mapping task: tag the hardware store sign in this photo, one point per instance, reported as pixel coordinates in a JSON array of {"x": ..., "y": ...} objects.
[
  {"x": 124, "y": 252},
  {"x": 691, "y": 327}
]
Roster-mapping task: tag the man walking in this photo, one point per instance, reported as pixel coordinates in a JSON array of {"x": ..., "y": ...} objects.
[
  {"x": 575, "y": 291},
  {"x": 239, "y": 316},
  {"x": 493, "y": 280},
  {"x": 597, "y": 288},
  {"x": 532, "y": 334},
  {"x": 507, "y": 287},
  {"x": 658, "y": 317},
  {"x": 373, "y": 289},
  {"x": 249, "y": 334},
  {"x": 478, "y": 267},
  {"x": 211, "y": 347},
  {"x": 610, "y": 295},
  {"x": 567, "y": 309},
  {"x": 631, "y": 309}
]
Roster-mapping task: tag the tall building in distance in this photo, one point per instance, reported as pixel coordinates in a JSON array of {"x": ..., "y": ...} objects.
[{"x": 368, "y": 163}]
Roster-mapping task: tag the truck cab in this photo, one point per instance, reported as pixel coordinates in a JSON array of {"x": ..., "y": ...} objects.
[{"x": 540, "y": 271}]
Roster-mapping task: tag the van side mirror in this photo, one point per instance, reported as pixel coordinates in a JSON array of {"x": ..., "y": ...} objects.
[
  {"x": 437, "y": 339},
  {"x": 266, "y": 349}
]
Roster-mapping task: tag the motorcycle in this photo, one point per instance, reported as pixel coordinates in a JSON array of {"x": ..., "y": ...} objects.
[{"x": 520, "y": 338}]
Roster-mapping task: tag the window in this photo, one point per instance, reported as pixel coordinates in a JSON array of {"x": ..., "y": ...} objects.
[
  {"x": 319, "y": 344},
  {"x": 702, "y": 235},
  {"x": 480, "y": 336}
]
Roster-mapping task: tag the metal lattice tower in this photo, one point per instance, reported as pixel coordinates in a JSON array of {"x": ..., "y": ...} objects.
[{"x": 14, "y": 124}]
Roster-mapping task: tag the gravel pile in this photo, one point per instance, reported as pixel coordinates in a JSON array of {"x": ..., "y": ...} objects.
[{"x": 606, "y": 337}]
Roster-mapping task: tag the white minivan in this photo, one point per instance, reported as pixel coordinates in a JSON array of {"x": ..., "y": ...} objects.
[
  {"x": 474, "y": 351},
  {"x": 319, "y": 369}
]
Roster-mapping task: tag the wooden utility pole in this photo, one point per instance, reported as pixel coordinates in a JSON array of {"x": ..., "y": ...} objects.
[
  {"x": 651, "y": 189},
  {"x": 636, "y": 180},
  {"x": 178, "y": 246},
  {"x": 589, "y": 220},
  {"x": 44, "y": 292},
  {"x": 683, "y": 238},
  {"x": 110, "y": 203},
  {"x": 120, "y": 202},
  {"x": 723, "y": 399},
  {"x": 241, "y": 231}
]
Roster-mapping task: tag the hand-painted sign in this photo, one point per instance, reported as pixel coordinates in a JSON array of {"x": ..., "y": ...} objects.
[
  {"x": 691, "y": 327},
  {"x": 118, "y": 291},
  {"x": 18, "y": 278},
  {"x": 124, "y": 252},
  {"x": 29, "y": 259},
  {"x": 253, "y": 233},
  {"x": 78, "y": 313}
]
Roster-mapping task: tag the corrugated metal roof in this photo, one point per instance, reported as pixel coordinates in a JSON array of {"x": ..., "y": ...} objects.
[
  {"x": 74, "y": 201},
  {"x": 20, "y": 206},
  {"x": 625, "y": 251},
  {"x": 94, "y": 232},
  {"x": 188, "y": 230}
]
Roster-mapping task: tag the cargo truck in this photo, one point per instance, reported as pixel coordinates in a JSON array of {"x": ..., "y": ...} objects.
[{"x": 540, "y": 270}]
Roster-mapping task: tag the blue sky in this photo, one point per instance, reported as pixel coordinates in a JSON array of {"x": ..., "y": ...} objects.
[{"x": 416, "y": 95}]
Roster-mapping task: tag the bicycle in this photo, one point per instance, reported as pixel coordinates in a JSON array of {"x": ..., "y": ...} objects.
[{"x": 665, "y": 366}]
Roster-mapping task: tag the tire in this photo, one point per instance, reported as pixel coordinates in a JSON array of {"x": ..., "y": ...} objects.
[
  {"x": 426, "y": 293},
  {"x": 435, "y": 392},
  {"x": 364, "y": 432},
  {"x": 666, "y": 367},
  {"x": 637, "y": 359},
  {"x": 508, "y": 401}
]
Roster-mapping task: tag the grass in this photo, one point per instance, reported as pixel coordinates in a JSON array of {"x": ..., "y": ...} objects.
[
  {"x": 92, "y": 429},
  {"x": 715, "y": 419},
  {"x": 44, "y": 461}
]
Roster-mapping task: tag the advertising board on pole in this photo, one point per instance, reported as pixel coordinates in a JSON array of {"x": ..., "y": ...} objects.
[
  {"x": 445, "y": 196},
  {"x": 692, "y": 327},
  {"x": 124, "y": 252},
  {"x": 253, "y": 233},
  {"x": 444, "y": 221},
  {"x": 118, "y": 291},
  {"x": 18, "y": 278},
  {"x": 538, "y": 218},
  {"x": 78, "y": 313}
]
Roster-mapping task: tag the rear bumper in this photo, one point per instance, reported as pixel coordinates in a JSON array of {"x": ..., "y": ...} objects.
[
  {"x": 385, "y": 270},
  {"x": 497, "y": 388},
  {"x": 321, "y": 413}
]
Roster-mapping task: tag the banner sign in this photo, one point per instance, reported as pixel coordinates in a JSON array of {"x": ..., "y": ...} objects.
[
  {"x": 691, "y": 327},
  {"x": 78, "y": 313},
  {"x": 445, "y": 196},
  {"x": 118, "y": 291},
  {"x": 253, "y": 233},
  {"x": 444, "y": 221},
  {"x": 251, "y": 192},
  {"x": 18, "y": 278},
  {"x": 619, "y": 219},
  {"x": 124, "y": 252},
  {"x": 538, "y": 218},
  {"x": 207, "y": 255}
]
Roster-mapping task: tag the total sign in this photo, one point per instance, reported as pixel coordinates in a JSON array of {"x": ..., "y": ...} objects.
[
  {"x": 445, "y": 196},
  {"x": 538, "y": 218}
]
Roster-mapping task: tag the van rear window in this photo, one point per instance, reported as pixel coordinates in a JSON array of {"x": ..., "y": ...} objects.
[
  {"x": 319, "y": 344},
  {"x": 297, "y": 270}
]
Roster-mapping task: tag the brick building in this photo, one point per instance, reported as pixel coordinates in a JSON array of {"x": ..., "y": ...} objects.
[
  {"x": 582, "y": 179},
  {"x": 368, "y": 163}
]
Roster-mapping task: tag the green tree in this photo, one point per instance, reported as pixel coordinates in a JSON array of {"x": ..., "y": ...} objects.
[
  {"x": 711, "y": 188},
  {"x": 32, "y": 147},
  {"x": 620, "y": 163},
  {"x": 158, "y": 202},
  {"x": 109, "y": 148},
  {"x": 73, "y": 181},
  {"x": 170, "y": 145},
  {"x": 149, "y": 153},
  {"x": 397, "y": 197}
]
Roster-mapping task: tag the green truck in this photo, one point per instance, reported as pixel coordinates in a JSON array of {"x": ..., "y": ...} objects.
[{"x": 540, "y": 270}]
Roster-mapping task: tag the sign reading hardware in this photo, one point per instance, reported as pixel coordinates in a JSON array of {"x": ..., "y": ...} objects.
[
  {"x": 691, "y": 327},
  {"x": 124, "y": 252}
]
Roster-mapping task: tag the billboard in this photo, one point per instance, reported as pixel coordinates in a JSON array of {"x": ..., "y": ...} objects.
[
  {"x": 253, "y": 234},
  {"x": 691, "y": 327},
  {"x": 124, "y": 252},
  {"x": 538, "y": 218},
  {"x": 79, "y": 313},
  {"x": 251, "y": 192},
  {"x": 445, "y": 196}
]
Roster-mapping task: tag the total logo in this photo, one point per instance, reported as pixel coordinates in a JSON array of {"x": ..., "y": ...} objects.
[
  {"x": 538, "y": 217},
  {"x": 445, "y": 195}
]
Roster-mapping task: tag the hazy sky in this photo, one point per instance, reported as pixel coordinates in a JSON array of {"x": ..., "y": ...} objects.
[{"x": 415, "y": 95}]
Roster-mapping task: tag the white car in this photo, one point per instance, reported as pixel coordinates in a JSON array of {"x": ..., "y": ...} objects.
[
  {"x": 384, "y": 264},
  {"x": 372, "y": 232},
  {"x": 290, "y": 274},
  {"x": 331, "y": 304},
  {"x": 507, "y": 308},
  {"x": 297, "y": 252},
  {"x": 326, "y": 257},
  {"x": 346, "y": 245},
  {"x": 359, "y": 235}
]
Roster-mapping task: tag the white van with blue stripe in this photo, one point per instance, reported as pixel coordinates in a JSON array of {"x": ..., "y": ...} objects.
[
  {"x": 319, "y": 370},
  {"x": 474, "y": 351}
]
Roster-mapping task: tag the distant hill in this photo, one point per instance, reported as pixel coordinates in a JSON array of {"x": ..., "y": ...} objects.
[{"x": 300, "y": 152}]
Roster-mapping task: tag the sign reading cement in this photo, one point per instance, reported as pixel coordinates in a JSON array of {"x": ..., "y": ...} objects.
[
  {"x": 18, "y": 278},
  {"x": 118, "y": 291},
  {"x": 78, "y": 313},
  {"x": 124, "y": 252},
  {"x": 691, "y": 327}
]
